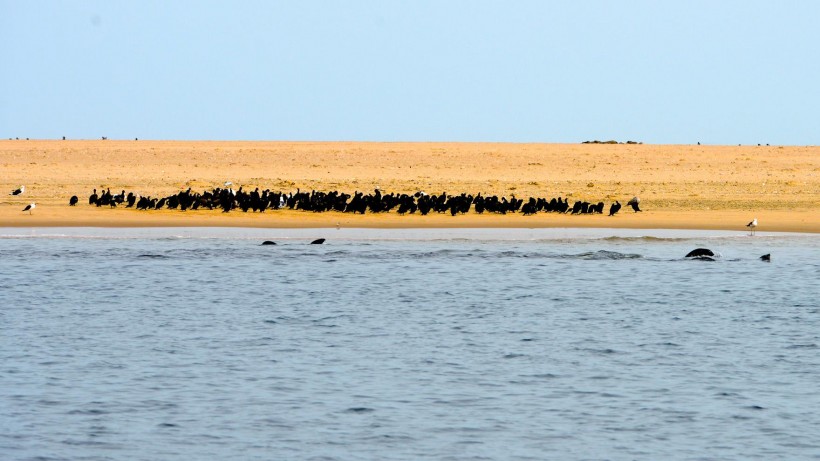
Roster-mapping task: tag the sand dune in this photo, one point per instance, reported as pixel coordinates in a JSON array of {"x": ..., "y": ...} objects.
[{"x": 681, "y": 186}]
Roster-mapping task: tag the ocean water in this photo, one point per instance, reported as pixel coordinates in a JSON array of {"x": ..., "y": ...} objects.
[{"x": 183, "y": 344}]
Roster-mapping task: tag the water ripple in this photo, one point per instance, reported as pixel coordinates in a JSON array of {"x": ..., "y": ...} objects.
[{"x": 183, "y": 348}]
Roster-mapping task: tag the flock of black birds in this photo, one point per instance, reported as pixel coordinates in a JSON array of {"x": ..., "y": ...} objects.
[{"x": 226, "y": 199}]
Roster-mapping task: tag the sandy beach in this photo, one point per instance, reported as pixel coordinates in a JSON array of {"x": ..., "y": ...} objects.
[{"x": 680, "y": 186}]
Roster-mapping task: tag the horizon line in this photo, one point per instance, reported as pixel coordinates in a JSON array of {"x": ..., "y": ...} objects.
[{"x": 589, "y": 142}]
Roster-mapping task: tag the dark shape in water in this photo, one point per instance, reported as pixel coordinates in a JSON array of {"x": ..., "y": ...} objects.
[
  {"x": 767, "y": 257},
  {"x": 698, "y": 252},
  {"x": 317, "y": 242},
  {"x": 359, "y": 410},
  {"x": 268, "y": 242},
  {"x": 703, "y": 254}
]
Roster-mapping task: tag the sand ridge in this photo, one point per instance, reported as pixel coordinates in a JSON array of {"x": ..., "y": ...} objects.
[{"x": 680, "y": 186}]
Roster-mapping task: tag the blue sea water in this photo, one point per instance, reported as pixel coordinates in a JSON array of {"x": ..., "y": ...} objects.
[{"x": 183, "y": 344}]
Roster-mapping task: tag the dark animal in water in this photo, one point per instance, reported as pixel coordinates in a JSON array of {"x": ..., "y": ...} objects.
[
  {"x": 767, "y": 257},
  {"x": 700, "y": 252},
  {"x": 703, "y": 254},
  {"x": 73, "y": 200},
  {"x": 268, "y": 242},
  {"x": 317, "y": 242}
]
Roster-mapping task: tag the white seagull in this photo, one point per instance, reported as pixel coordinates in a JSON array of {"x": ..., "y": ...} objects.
[
  {"x": 752, "y": 226},
  {"x": 19, "y": 191},
  {"x": 29, "y": 207}
]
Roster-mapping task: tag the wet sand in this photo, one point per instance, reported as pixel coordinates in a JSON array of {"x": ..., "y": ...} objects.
[{"x": 680, "y": 186}]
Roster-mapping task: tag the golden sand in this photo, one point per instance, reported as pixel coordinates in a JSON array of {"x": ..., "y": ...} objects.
[{"x": 680, "y": 186}]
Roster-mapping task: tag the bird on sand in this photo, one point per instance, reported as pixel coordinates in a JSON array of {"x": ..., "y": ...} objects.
[
  {"x": 29, "y": 207},
  {"x": 752, "y": 226},
  {"x": 18, "y": 191},
  {"x": 634, "y": 203},
  {"x": 614, "y": 208}
]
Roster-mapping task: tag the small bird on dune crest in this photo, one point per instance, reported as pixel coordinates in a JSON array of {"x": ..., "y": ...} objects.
[
  {"x": 752, "y": 226},
  {"x": 29, "y": 207},
  {"x": 18, "y": 191}
]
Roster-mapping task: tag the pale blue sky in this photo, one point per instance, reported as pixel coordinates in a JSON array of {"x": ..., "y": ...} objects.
[{"x": 719, "y": 72}]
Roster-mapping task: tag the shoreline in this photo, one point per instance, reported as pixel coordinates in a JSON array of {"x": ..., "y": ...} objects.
[
  {"x": 301, "y": 235},
  {"x": 774, "y": 221}
]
